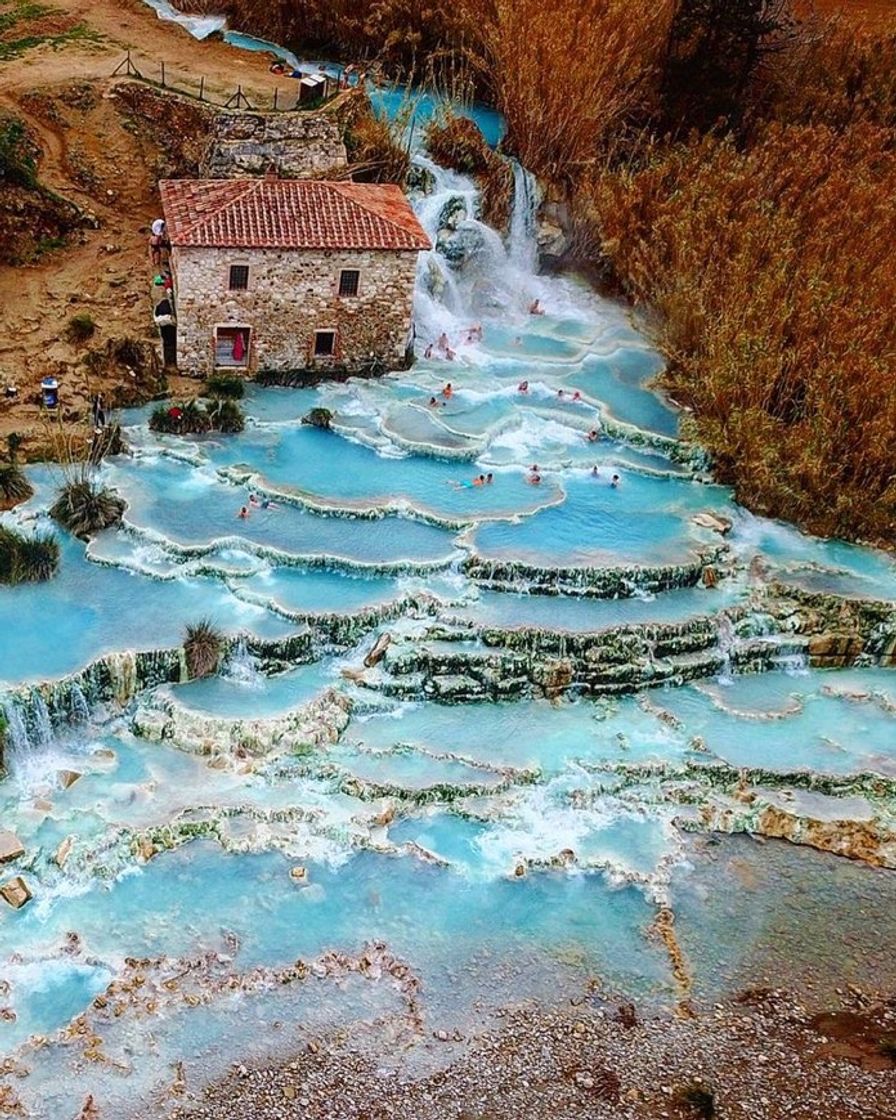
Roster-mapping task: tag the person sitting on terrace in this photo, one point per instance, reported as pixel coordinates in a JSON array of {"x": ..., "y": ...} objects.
[
  {"x": 593, "y": 436},
  {"x": 535, "y": 307}
]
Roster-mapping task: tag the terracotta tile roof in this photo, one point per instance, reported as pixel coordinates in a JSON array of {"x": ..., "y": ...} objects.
[{"x": 289, "y": 214}]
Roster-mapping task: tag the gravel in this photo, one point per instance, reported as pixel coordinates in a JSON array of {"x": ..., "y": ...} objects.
[{"x": 761, "y": 1056}]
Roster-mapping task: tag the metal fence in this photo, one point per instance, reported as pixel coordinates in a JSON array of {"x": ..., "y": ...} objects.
[{"x": 158, "y": 74}]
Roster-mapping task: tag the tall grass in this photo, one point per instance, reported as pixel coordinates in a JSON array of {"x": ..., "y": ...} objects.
[
  {"x": 574, "y": 77},
  {"x": 773, "y": 275}
]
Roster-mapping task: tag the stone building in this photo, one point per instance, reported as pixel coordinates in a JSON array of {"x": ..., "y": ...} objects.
[
  {"x": 297, "y": 145},
  {"x": 288, "y": 275}
]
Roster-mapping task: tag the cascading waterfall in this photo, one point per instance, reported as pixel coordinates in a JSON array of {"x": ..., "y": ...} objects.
[
  {"x": 726, "y": 641},
  {"x": 243, "y": 668},
  {"x": 470, "y": 272},
  {"x": 523, "y": 242},
  {"x": 17, "y": 741}
]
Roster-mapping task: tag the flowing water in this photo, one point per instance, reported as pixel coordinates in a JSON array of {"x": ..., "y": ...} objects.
[{"x": 508, "y": 799}]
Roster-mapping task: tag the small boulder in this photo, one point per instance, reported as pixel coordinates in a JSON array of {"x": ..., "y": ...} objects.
[
  {"x": 378, "y": 652},
  {"x": 67, "y": 778},
  {"x": 15, "y": 892},
  {"x": 318, "y": 418},
  {"x": 11, "y": 847},
  {"x": 64, "y": 851}
]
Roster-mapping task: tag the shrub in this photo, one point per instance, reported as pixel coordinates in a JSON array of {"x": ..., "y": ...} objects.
[
  {"x": 14, "y": 486},
  {"x": 18, "y": 154},
  {"x": 204, "y": 647},
  {"x": 457, "y": 142},
  {"x": 228, "y": 417},
  {"x": 81, "y": 327},
  {"x": 226, "y": 385},
  {"x": 193, "y": 418},
  {"x": 376, "y": 147},
  {"x": 27, "y": 559},
  {"x": 84, "y": 507},
  {"x": 318, "y": 418}
]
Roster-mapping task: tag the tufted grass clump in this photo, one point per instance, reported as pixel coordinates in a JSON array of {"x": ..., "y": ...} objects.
[
  {"x": 227, "y": 416},
  {"x": 27, "y": 558},
  {"x": 226, "y": 385},
  {"x": 204, "y": 646},
  {"x": 14, "y": 486},
  {"x": 84, "y": 507}
]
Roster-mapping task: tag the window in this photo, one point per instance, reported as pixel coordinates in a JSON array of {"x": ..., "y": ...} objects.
[
  {"x": 324, "y": 344},
  {"x": 239, "y": 277},
  {"x": 348, "y": 281}
]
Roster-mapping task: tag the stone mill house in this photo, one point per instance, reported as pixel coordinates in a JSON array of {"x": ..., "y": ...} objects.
[{"x": 289, "y": 275}]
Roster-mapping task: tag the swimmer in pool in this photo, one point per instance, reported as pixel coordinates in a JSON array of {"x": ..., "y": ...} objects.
[
  {"x": 448, "y": 392},
  {"x": 534, "y": 478},
  {"x": 243, "y": 515},
  {"x": 614, "y": 481},
  {"x": 523, "y": 387},
  {"x": 593, "y": 436}
]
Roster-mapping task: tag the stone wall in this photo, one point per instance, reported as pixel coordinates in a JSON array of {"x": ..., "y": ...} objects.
[
  {"x": 299, "y": 145},
  {"x": 292, "y": 294}
]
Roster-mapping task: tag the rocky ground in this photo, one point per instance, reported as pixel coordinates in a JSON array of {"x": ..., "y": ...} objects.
[{"x": 764, "y": 1056}]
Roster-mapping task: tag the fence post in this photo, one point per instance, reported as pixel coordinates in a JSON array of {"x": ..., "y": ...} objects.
[
  {"x": 127, "y": 65},
  {"x": 163, "y": 75},
  {"x": 201, "y": 86},
  {"x": 276, "y": 92}
]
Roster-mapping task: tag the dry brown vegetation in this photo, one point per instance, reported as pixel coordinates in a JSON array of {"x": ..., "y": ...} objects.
[{"x": 772, "y": 272}]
